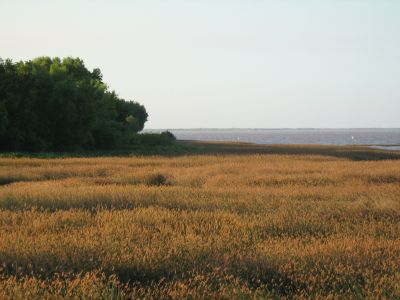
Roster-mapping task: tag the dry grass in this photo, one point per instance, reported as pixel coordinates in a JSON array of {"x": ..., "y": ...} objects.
[{"x": 215, "y": 226}]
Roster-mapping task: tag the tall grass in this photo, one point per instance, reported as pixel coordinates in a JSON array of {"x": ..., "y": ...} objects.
[{"x": 215, "y": 226}]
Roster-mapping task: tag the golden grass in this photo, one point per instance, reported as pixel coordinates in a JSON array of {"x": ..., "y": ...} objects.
[{"x": 212, "y": 226}]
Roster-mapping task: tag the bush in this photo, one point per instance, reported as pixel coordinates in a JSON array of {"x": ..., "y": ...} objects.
[
  {"x": 169, "y": 135},
  {"x": 152, "y": 139}
]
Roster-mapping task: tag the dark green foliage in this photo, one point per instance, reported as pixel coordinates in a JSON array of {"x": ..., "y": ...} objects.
[
  {"x": 152, "y": 139},
  {"x": 169, "y": 135},
  {"x": 53, "y": 104}
]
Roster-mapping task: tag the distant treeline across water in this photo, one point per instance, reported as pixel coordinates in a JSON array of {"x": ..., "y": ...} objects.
[{"x": 295, "y": 136}]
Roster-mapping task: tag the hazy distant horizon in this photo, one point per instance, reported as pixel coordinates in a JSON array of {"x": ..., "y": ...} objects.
[
  {"x": 283, "y": 128},
  {"x": 223, "y": 64},
  {"x": 323, "y": 136}
]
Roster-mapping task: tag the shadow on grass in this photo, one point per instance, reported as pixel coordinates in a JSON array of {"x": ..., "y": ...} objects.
[
  {"x": 180, "y": 148},
  {"x": 49, "y": 266},
  {"x": 348, "y": 152}
]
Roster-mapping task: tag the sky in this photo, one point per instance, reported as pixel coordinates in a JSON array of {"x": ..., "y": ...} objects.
[{"x": 227, "y": 64}]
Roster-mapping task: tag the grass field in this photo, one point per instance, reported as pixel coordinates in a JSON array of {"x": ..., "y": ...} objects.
[{"x": 227, "y": 221}]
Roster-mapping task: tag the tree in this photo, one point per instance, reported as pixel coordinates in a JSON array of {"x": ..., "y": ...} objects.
[
  {"x": 133, "y": 123},
  {"x": 3, "y": 120},
  {"x": 58, "y": 104}
]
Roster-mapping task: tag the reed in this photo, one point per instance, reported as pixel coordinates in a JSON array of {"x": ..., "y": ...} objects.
[{"x": 199, "y": 226}]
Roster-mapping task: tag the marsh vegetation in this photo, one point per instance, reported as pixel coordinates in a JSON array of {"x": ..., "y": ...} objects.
[{"x": 200, "y": 226}]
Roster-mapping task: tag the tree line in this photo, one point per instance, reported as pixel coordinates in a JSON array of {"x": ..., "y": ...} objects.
[{"x": 53, "y": 104}]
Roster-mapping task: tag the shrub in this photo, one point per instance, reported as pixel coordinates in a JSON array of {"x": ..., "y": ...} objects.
[{"x": 169, "y": 135}]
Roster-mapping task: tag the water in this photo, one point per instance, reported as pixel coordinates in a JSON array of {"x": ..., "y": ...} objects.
[
  {"x": 295, "y": 136},
  {"x": 391, "y": 148}
]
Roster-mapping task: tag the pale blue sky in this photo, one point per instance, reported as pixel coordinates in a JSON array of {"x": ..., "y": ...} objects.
[{"x": 230, "y": 63}]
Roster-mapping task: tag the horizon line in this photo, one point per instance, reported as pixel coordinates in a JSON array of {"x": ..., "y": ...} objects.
[{"x": 270, "y": 128}]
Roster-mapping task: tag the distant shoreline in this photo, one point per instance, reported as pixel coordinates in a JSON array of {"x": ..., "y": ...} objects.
[
  {"x": 299, "y": 136},
  {"x": 196, "y": 147},
  {"x": 260, "y": 128}
]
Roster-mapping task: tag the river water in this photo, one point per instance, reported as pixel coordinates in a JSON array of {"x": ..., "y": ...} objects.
[{"x": 295, "y": 136}]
